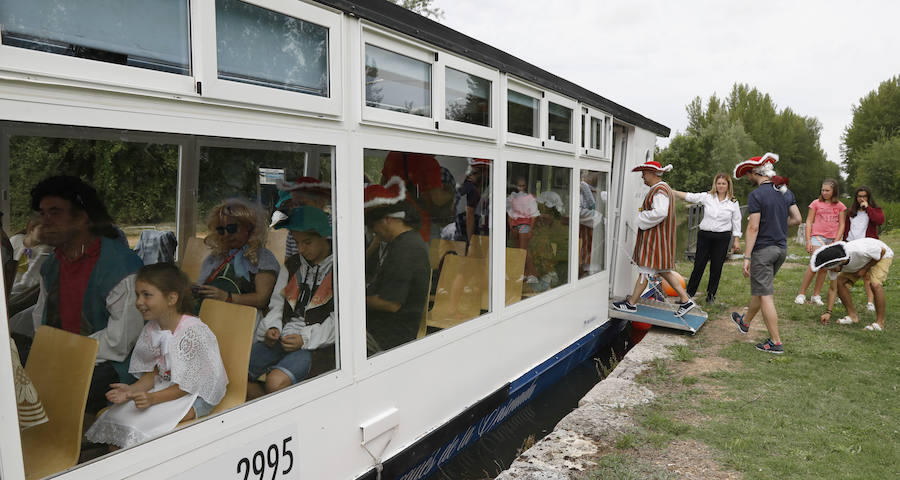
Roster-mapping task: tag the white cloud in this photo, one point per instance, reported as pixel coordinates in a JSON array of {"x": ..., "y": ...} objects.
[{"x": 816, "y": 57}]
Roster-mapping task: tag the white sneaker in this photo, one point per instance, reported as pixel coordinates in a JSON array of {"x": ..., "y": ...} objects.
[
  {"x": 800, "y": 299},
  {"x": 817, "y": 299},
  {"x": 870, "y": 307}
]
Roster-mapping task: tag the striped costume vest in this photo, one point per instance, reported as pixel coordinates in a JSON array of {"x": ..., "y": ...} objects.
[{"x": 655, "y": 247}]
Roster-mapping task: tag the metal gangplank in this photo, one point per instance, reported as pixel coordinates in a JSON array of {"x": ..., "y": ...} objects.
[{"x": 662, "y": 314}]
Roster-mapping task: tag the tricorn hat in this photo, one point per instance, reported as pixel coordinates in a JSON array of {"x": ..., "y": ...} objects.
[
  {"x": 652, "y": 166},
  {"x": 304, "y": 183},
  {"x": 748, "y": 165},
  {"x": 305, "y": 219},
  {"x": 828, "y": 256},
  {"x": 388, "y": 199}
]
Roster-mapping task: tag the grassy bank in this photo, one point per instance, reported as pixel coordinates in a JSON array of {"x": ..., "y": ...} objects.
[{"x": 828, "y": 408}]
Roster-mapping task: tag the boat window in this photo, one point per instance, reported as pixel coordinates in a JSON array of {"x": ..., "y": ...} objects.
[
  {"x": 397, "y": 83},
  {"x": 151, "y": 35},
  {"x": 560, "y": 123},
  {"x": 427, "y": 244},
  {"x": 593, "y": 197},
  {"x": 468, "y": 98},
  {"x": 523, "y": 114},
  {"x": 537, "y": 239},
  {"x": 596, "y": 129},
  {"x": 263, "y": 47},
  {"x": 244, "y": 186}
]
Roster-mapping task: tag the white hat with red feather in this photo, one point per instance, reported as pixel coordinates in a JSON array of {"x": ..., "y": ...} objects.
[
  {"x": 760, "y": 165},
  {"x": 652, "y": 166}
]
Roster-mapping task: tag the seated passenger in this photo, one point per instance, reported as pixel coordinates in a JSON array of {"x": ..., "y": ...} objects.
[
  {"x": 87, "y": 285},
  {"x": 304, "y": 191},
  {"x": 296, "y": 337},
  {"x": 178, "y": 355},
  {"x": 30, "y": 254},
  {"x": 550, "y": 245},
  {"x": 397, "y": 268},
  {"x": 240, "y": 269}
]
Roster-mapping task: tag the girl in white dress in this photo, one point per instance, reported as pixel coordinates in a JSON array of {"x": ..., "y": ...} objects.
[{"x": 183, "y": 376}]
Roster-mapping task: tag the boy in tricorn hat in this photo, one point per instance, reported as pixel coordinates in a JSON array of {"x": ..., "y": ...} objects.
[
  {"x": 847, "y": 262},
  {"x": 397, "y": 267},
  {"x": 654, "y": 249},
  {"x": 772, "y": 210}
]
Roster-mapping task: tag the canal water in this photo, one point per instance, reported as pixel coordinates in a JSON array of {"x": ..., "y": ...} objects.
[{"x": 495, "y": 452}]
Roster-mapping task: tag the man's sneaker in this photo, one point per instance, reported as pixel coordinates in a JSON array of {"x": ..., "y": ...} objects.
[
  {"x": 738, "y": 320},
  {"x": 870, "y": 307},
  {"x": 769, "y": 346},
  {"x": 817, "y": 299},
  {"x": 800, "y": 299},
  {"x": 685, "y": 308},
  {"x": 624, "y": 306}
]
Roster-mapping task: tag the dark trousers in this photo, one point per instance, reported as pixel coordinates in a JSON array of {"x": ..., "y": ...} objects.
[
  {"x": 712, "y": 247},
  {"x": 104, "y": 375}
]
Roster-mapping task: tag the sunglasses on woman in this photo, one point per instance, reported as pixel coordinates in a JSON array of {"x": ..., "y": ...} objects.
[{"x": 231, "y": 228}]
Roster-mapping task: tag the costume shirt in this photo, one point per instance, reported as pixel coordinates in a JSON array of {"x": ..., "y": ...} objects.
[
  {"x": 772, "y": 207},
  {"x": 400, "y": 275},
  {"x": 827, "y": 218},
  {"x": 863, "y": 251},
  {"x": 655, "y": 246}
]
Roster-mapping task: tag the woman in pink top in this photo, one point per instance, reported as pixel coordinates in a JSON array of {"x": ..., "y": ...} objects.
[{"x": 824, "y": 223}]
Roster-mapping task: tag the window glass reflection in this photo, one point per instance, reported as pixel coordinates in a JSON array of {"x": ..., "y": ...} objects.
[
  {"x": 537, "y": 237},
  {"x": 522, "y": 114},
  {"x": 560, "y": 123},
  {"x": 152, "y": 35},
  {"x": 397, "y": 83},
  {"x": 261, "y": 47},
  {"x": 592, "y": 222},
  {"x": 427, "y": 244},
  {"x": 468, "y": 98}
]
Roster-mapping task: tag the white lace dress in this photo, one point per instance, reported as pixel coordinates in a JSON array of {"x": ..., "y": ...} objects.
[{"x": 188, "y": 357}]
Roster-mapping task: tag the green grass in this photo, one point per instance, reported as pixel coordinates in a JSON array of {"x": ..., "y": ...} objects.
[{"x": 828, "y": 408}]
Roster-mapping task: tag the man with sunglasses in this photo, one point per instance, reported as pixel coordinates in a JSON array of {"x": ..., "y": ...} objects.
[{"x": 87, "y": 285}]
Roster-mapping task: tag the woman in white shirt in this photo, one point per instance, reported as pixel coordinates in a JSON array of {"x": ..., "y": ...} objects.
[{"x": 721, "y": 223}]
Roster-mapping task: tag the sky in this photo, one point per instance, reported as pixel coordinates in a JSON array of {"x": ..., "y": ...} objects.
[{"x": 654, "y": 56}]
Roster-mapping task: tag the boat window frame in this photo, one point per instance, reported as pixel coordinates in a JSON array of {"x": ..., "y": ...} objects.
[
  {"x": 400, "y": 46},
  {"x": 533, "y": 92},
  {"x": 574, "y": 124},
  {"x": 445, "y": 61},
  {"x": 75, "y": 71},
  {"x": 206, "y": 68},
  {"x": 588, "y": 113},
  {"x": 197, "y": 433},
  {"x": 602, "y": 166}
]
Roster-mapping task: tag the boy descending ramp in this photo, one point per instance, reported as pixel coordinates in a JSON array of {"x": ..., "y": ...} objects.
[{"x": 654, "y": 249}]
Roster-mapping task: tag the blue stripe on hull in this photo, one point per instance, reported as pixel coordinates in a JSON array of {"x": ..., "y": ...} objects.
[{"x": 521, "y": 390}]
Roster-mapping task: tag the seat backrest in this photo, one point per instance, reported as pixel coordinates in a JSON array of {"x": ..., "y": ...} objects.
[
  {"x": 515, "y": 271},
  {"x": 233, "y": 326},
  {"x": 438, "y": 247},
  {"x": 480, "y": 246},
  {"x": 276, "y": 240},
  {"x": 192, "y": 257},
  {"x": 423, "y": 324},
  {"x": 60, "y": 366},
  {"x": 459, "y": 291}
]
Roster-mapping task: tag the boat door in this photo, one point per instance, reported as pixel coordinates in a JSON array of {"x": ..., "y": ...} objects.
[{"x": 620, "y": 166}]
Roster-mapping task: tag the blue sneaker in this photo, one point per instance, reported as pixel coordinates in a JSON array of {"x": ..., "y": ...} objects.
[
  {"x": 769, "y": 346},
  {"x": 739, "y": 321}
]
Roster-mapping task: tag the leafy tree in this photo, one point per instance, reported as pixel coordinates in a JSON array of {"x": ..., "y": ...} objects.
[
  {"x": 422, "y": 7},
  {"x": 747, "y": 123},
  {"x": 879, "y": 168},
  {"x": 876, "y": 118}
]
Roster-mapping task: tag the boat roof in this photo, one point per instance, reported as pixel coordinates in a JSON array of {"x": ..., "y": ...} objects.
[{"x": 417, "y": 26}]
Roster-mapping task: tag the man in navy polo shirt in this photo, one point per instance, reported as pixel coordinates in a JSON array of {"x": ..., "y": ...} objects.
[{"x": 772, "y": 210}]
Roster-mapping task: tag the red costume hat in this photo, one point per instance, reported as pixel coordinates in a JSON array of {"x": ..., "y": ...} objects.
[
  {"x": 747, "y": 166},
  {"x": 652, "y": 166},
  {"x": 480, "y": 162},
  {"x": 303, "y": 183},
  {"x": 391, "y": 193}
]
